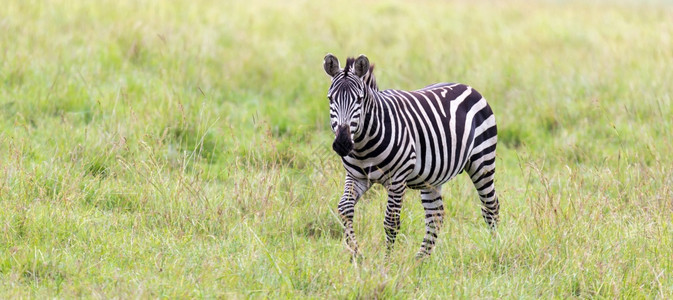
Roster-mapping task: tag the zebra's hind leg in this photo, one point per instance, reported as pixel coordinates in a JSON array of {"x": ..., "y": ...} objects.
[
  {"x": 353, "y": 190},
  {"x": 482, "y": 172},
  {"x": 431, "y": 199}
]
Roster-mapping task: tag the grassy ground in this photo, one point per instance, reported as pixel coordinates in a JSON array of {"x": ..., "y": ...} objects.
[{"x": 182, "y": 149}]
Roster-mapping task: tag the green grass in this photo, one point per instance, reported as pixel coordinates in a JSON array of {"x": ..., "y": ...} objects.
[{"x": 182, "y": 149}]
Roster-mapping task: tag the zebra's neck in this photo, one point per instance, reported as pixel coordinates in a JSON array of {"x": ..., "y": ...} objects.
[
  {"x": 372, "y": 111},
  {"x": 372, "y": 116}
]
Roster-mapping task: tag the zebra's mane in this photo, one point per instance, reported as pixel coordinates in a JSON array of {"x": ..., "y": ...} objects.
[
  {"x": 349, "y": 65},
  {"x": 370, "y": 80}
]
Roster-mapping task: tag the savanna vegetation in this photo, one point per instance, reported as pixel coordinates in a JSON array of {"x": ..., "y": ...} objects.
[{"x": 182, "y": 149}]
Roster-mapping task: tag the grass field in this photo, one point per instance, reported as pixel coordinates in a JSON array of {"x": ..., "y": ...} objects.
[{"x": 182, "y": 149}]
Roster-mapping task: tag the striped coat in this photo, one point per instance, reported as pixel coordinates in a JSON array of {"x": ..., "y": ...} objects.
[{"x": 409, "y": 139}]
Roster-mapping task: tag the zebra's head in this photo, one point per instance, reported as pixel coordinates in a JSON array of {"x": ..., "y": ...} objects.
[{"x": 346, "y": 96}]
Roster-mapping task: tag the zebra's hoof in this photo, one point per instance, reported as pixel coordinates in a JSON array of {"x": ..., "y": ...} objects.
[{"x": 421, "y": 255}]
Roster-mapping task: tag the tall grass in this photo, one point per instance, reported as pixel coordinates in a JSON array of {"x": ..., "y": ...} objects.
[{"x": 181, "y": 149}]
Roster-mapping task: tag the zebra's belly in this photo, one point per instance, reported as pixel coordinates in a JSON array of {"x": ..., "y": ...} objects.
[
  {"x": 442, "y": 172},
  {"x": 378, "y": 173},
  {"x": 420, "y": 183}
]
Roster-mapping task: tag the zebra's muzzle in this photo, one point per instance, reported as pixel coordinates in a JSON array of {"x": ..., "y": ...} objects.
[{"x": 342, "y": 143}]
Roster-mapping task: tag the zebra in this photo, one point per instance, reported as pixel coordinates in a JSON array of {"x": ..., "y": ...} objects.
[{"x": 408, "y": 139}]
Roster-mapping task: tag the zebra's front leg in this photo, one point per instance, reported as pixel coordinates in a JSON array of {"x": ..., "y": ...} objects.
[
  {"x": 353, "y": 190},
  {"x": 391, "y": 223},
  {"x": 434, "y": 215}
]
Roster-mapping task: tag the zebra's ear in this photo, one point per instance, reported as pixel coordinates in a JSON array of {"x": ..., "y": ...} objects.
[
  {"x": 361, "y": 65},
  {"x": 331, "y": 65}
]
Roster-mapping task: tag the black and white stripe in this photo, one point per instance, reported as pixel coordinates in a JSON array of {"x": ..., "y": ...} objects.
[{"x": 409, "y": 139}]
